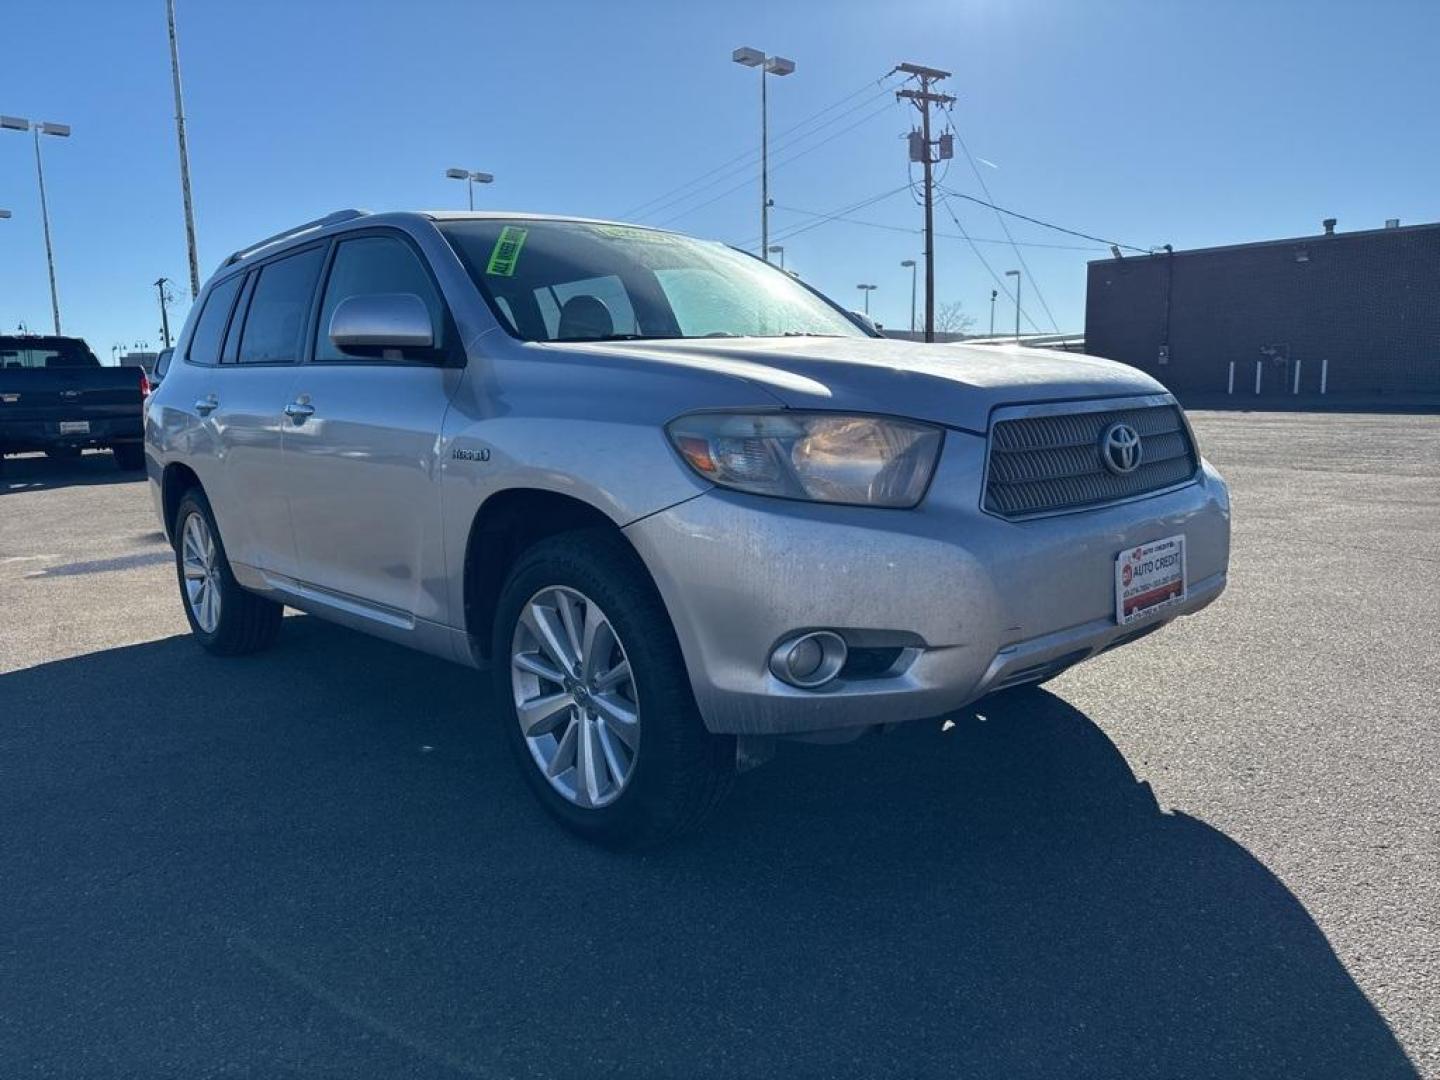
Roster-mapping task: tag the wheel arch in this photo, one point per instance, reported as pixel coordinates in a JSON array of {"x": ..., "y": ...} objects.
[
  {"x": 507, "y": 524},
  {"x": 174, "y": 482}
]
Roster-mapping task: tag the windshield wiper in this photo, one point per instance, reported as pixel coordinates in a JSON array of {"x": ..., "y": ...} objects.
[{"x": 805, "y": 333}]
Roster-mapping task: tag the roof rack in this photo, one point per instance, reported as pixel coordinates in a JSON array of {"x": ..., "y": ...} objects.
[{"x": 319, "y": 223}]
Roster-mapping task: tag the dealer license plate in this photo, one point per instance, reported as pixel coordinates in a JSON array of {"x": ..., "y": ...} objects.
[
  {"x": 1148, "y": 578},
  {"x": 74, "y": 427}
]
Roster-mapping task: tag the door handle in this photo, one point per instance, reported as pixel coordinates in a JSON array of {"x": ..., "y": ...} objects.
[
  {"x": 299, "y": 410},
  {"x": 206, "y": 405}
]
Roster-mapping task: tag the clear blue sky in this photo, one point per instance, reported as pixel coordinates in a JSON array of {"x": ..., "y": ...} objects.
[{"x": 1144, "y": 122}]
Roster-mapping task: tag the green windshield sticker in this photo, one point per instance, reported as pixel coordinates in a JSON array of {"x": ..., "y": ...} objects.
[{"x": 506, "y": 252}]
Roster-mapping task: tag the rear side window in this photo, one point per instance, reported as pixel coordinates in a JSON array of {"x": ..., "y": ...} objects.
[
  {"x": 279, "y": 308},
  {"x": 375, "y": 264},
  {"x": 210, "y": 328}
]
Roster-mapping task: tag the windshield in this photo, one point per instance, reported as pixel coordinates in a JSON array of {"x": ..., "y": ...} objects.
[{"x": 582, "y": 281}]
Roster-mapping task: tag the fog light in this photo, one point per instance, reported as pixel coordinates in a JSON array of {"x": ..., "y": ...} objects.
[{"x": 809, "y": 660}]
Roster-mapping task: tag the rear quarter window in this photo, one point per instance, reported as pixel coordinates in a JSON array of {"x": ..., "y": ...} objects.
[{"x": 204, "y": 345}]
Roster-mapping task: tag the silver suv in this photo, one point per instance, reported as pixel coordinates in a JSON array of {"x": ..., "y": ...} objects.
[{"x": 678, "y": 503}]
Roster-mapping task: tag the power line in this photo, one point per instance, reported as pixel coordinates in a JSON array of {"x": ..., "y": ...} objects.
[
  {"x": 916, "y": 232},
  {"x": 748, "y": 158},
  {"x": 1047, "y": 224},
  {"x": 999, "y": 282},
  {"x": 773, "y": 167},
  {"x": 725, "y": 175},
  {"x": 838, "y": 213},
  {"x": 1034, "y": 281}
]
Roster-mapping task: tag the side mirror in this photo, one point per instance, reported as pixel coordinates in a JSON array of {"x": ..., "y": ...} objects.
[
  {"x": 865, "y": 321},
  {"x": 378, "y": 323}
]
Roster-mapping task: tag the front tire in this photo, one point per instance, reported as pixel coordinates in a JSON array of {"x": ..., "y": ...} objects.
[
  {"x": 595, "y": 698},
  {"x": 225, "y": 618}
]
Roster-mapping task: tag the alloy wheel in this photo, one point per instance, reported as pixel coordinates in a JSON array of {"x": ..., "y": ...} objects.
[
  {"x": 575, "y": 696},
  {"x": 201, "y": 574}
]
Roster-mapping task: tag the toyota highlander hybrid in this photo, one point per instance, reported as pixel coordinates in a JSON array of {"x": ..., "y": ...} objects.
[{"x": 676, "y": 502}]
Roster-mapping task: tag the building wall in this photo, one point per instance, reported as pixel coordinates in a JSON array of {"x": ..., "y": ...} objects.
[{"x": 1368, "y": 302}]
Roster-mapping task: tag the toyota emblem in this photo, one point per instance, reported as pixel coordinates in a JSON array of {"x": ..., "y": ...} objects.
[{"x": 1120, "y": 449}]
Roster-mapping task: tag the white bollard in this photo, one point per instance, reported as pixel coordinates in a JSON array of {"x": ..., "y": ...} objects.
[
  {"x": 1324, "y": 372},
  {"x": 1259, "y": 367},
  {"x": 1230, "y": 385},
  {"x": 1297, "y": 377}
]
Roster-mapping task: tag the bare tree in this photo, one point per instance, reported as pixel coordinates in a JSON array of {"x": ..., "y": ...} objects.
[{"x": 951, "y": 318}]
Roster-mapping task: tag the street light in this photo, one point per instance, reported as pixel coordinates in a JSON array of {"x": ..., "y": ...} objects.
[
  {"x": 1016, "y": 275},
  {"x": 911, "y": 264},
  {"x": 768, "y": 65},
  {"x": 471, "y": 179},
  {"x": 16, "y": 123},
  {"x": 778, "y": 249},
  {"x": 867, "y": 290}
]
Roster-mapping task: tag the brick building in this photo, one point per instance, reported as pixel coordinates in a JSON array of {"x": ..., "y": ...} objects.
[{"x": 1360, "y": 310}]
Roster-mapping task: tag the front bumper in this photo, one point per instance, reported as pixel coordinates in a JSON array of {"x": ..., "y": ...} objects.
[{"x": 976, "y": 602}]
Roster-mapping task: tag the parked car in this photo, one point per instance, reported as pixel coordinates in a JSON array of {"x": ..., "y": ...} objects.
[
  {"x": 676, "y": 502},
  {"x": 56, "y": 397},
  {"x": 162, "y": 365}
]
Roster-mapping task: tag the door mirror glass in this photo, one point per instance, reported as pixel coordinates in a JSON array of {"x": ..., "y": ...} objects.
[{"x": 386, "y": 325}]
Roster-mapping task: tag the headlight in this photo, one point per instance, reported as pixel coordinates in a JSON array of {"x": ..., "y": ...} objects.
[{"x": 825, "y": 457}]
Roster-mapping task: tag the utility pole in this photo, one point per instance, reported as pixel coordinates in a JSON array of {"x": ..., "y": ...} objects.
[
  {"x": 920, "y": 150},
  {"x": 993, "y": 294},
  {"x": 184, "y": 153},
  {"x": 164, "y": 313}
]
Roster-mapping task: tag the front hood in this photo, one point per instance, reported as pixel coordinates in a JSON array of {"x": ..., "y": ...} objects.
[{"x": 956, "y": 385}]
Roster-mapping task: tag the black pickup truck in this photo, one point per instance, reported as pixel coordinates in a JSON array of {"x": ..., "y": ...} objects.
[{"x": 56, "y": 397}]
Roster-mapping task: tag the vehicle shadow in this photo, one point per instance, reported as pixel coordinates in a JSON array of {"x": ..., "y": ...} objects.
[
  {"x": 36, "y": 472},
  {"x": 324, "y": 860}
]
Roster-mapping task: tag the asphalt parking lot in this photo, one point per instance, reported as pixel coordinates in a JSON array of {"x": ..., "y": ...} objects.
[{"x": 1214, "y": 853}]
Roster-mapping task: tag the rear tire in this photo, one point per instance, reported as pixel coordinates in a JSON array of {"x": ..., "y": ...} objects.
[
  {"x": 225, "y": 618},
  {"x": 129, "y": 456},
  {"x": 678, "y": 772}
]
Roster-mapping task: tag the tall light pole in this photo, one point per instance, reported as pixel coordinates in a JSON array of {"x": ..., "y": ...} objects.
[
  {"x": 867, "y": 290},
  {"x": 911, "y": 264},
  {"x": 993, "y": 294},
  {"x": 16, "y": 123},
  {"x": 471, "y": 179},
  {"x": 184, "y": 152},
  {"x": 768, "y": 65},
  {"x": 1016, "y": 275},
  {"x": 778, "y": 249}
]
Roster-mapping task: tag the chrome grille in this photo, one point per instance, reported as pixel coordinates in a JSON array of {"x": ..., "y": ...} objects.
[{"x": 1052, "y": 463}]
